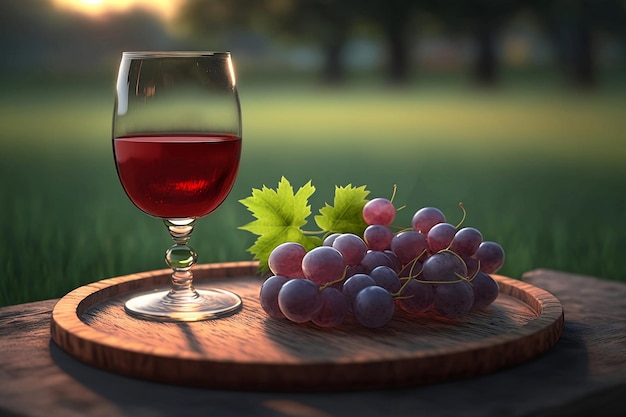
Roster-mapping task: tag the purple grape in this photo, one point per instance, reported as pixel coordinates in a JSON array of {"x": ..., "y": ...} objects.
[
  {"x": 351, "y": 247},
  {"x": 355, "y": 269},
  {"x": 334, "y": 308},
  {"x": 379, "y": 211},
  {"x": 440, "y": 236},
  {"x": 453, "y": 300},
  {"x": 330, "y": 239},
  {"x": 472, "y": 266},
  {"x": 268, "y": 295},
  {"x": 374, "y": 258},
  {"x": 286, "y": 260},
  {"x": 353, "y": 285},
  {"x": 425, "y": 218},
  {"x": 387, "y": 278},
  {"x": 396, "y": 265},
  {"x": 377, "y": 237},
  {"x": 486, "y": 290},
  {"x": 323, "y": 264},
  {"x": 420, "y": 297},
  {"x": 443, "y": 266},
  {"x": 491, "y": 257},
  {"x": 408, "y": 245},
  {"x": 374, "y": 306},
  {"x": 299, "y": 300},
  {"x": 466, "y": 241}
]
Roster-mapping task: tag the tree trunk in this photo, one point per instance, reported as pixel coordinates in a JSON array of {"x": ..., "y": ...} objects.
[
  {"x": 334, "y": 35},
  {"x": 399, "y": 58},
  {"x": 575, "y": 50},
  {"x": 486, "y": 65},
  {"x": 333, "y": 71}
]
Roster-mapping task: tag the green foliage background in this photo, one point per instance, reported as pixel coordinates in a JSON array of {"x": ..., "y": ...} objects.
[{"x": 539, "y": 168}]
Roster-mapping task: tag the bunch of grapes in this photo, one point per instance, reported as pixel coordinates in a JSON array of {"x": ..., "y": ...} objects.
[{"x": 432, "y": 267}]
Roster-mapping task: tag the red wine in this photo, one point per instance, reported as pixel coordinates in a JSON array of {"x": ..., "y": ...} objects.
[{"x": 182, "y": 176}]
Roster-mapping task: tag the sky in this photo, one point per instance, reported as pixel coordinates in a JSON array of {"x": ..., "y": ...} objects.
[{"x": 96, "y": 8}]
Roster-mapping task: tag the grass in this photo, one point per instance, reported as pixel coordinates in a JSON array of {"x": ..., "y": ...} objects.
[{"x": 540, "y": 170}]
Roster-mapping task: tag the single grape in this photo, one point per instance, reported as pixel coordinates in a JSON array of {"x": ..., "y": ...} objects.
[
  {"x": 453, "y": 300},
  {"x": 440, "y": 236},
  {"x": 409, "y": 245},
  {"x": 323, "y": 264},
  {"x": 396, "y": 265},
  {"x": 387, "y": 278},
  {"x": 419, "y": 297},
  {"x": 269, "y": 295},
  {"x": 444, "y": 266},
  {"x": 286, "y": 260},
  {"x": 486, "y": 290},
  {"x": 330, "y": 239},
  {"x": 425, "y": 218},
  {"x": 353, "y": 285},
  {"x": 378, "y": 237},
  {"x": 466, "y": 241},
  {"x": 373, "y": 306},
  {"x": 351, "y": 247},
  {"x": 334, "y": 308},
  {"x": 374, "y": 258},
  {"x": 299, "y": 300},
  {"x": 491, "y": 256},
  {"x": 472, "y": 266},
  {"x": 379, "y": 211},
  {"x": 354, "y": 269}
]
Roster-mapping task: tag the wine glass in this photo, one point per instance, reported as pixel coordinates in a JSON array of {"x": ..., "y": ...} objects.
[{"x": 177, "y": 145}]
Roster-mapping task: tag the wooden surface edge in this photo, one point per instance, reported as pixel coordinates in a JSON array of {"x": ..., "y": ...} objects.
[
  {"x": 109, "y": 352},
  {"x": 70, "y": 333}
]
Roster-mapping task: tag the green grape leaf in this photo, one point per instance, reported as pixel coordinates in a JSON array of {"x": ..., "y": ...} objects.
[
  {"x": 346, "y": 216},
  {"x": 280, "y": 214}
]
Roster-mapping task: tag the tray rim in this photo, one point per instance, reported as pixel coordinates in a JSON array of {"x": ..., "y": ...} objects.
[{"x": 68, "y": 330}]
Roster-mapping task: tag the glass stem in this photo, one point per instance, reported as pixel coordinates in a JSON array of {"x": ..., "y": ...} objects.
[{"x": 181, "y": 257}]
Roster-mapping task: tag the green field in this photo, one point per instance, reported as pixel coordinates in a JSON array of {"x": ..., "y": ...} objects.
[{"x": 539, "y": 168}]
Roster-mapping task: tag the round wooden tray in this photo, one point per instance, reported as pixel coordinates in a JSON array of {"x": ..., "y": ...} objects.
[{"x": 250, "y": 351}]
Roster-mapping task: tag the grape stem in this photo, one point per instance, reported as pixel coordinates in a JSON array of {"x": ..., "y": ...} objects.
[
  {"x": 454, "y": 253},
  {"x": 328, "y": 284},
  {"x": 464, "y": 215},
  {"x": 393, "y": 193},
  {"x": 393, "y": 196},
  {"x": 411, "y": 276},
  {"x": 396, "y": 295},
  {"x": 412, "y": 263},
  {"x": 414, "y": 277},
  {"x": 423, "y": 281}
]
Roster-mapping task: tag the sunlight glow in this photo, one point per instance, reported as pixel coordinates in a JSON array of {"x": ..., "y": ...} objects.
[{"x": 165, "y": 9}]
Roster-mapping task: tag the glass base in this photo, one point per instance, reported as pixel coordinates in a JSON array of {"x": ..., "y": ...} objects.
[{"x": 206, "y": 304}]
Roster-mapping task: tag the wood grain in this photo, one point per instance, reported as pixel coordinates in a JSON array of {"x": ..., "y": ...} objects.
[{"x": 249, "y": 351}]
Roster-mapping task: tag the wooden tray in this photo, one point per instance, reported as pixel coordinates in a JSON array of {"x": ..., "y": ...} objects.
[{"x": 250, "y": 351}]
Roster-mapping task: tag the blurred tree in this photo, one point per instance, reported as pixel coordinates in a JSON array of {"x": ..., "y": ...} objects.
[
  {"x": 214, "y": 19},
  {"x": 325, "y": 22},
  {"x": 574, "y": 26},
  {"x": 484, "y": 20},
  {"x": 395, "y": 19}
]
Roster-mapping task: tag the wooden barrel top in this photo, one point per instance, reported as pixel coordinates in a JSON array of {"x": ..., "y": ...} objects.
[{"x": 250, "y": 351}]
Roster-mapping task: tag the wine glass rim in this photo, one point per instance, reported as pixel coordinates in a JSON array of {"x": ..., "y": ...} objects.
[{"x": 173, "y": 54}]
